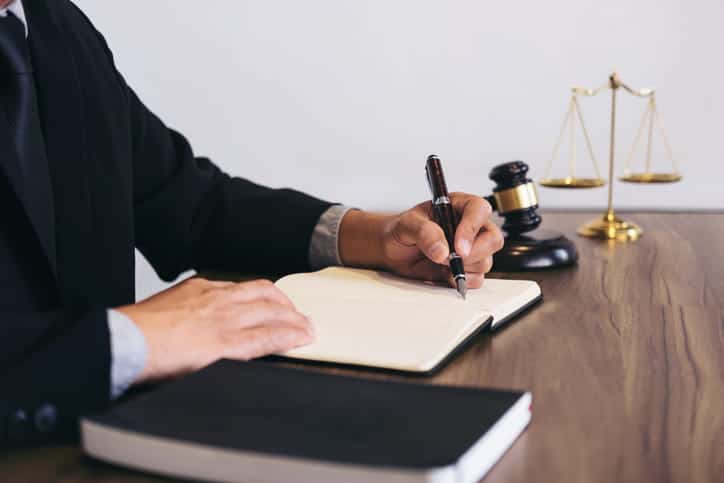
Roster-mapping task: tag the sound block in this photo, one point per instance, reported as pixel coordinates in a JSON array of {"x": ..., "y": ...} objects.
[{"x": 535, "y": 250}]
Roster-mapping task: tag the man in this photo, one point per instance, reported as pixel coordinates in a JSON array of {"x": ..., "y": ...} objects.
[{"x": 87, "y": 173}]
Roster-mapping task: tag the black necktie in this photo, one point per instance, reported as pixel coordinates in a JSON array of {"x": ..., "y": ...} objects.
[
  {"x": 17, "y": 94},
  {"x": 18, "y": 90}
]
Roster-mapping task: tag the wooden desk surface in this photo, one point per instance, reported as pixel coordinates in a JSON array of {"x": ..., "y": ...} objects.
[{"x": 625, "y": 359}]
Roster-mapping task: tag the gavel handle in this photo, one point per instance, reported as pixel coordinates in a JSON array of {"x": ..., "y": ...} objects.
[{"x": 491, "y": 199}]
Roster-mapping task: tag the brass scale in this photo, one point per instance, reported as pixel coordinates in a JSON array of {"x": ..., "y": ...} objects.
[{"x": 610, "y": 226}]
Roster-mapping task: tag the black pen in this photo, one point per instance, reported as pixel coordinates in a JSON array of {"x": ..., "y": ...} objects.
[{"x": 446, "y": 218}]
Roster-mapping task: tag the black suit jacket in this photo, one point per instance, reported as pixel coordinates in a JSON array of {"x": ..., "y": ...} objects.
[{"x": 120, "y": 179}]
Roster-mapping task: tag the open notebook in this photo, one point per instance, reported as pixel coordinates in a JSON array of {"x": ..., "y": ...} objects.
[{"x": 376, "y": 319}]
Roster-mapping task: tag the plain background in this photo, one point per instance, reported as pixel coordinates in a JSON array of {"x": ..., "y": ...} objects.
[{"x": 344, "y": 99}]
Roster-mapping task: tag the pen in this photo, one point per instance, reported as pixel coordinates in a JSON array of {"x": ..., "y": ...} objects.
[{"x": 445, "y": 217}]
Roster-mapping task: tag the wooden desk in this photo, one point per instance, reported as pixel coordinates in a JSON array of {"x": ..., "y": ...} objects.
[{"x": 625, "y": 359}]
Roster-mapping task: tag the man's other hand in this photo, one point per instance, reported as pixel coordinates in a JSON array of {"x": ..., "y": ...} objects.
[
  {"x": 199, "y": 321},
  {"x": 413, "y": 245}
]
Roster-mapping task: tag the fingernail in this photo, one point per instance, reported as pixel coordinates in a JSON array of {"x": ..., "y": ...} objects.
[
  {"x": 465, "y": 247},
  {"x": 437, "y": 250}
]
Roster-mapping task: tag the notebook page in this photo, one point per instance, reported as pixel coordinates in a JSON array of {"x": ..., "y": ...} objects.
[
  {"x": 377, "y": 319},
  {"x": 501, "y": 298}
]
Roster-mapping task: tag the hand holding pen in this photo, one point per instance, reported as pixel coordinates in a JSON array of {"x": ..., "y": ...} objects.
[{"x": 414, "y": 245}]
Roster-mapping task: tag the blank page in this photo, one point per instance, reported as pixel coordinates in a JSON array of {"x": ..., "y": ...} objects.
[{"x": 377, "y": 319}]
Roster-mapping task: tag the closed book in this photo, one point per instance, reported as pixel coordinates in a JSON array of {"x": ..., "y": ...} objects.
[{"x": 260, "y": 422}]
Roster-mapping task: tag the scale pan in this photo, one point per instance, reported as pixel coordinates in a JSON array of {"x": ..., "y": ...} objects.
[
  {"x": 651, "y": 177},
  {"x": 571, "y": 182}
]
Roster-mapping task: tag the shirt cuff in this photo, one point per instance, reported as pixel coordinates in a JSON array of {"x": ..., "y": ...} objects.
[
  {"x": 324, "y": 245},
  {"x": 128, "y": 352}
]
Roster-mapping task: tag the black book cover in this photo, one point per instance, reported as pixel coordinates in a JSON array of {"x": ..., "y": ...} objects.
[{"x": 261, "y": 407}]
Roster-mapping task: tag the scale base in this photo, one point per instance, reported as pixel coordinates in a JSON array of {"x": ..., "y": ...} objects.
[
  {"x": 611, "y": 227},
  {"x": 536, "y": 250}
]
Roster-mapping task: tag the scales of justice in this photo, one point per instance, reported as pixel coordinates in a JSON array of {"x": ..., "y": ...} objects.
[
  {"x": 514, "y": 197},
  {"x": 610, "y": 226}
]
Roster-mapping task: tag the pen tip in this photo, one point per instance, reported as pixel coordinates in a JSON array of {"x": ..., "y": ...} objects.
[{"x": 462, "y": 287}]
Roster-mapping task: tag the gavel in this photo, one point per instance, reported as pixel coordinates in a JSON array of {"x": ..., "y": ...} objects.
[
  {"x": 514, "y": 198},
  {"x": 526, "y": 247}
]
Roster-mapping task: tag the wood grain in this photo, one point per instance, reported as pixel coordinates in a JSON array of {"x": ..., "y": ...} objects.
[{"x": 625, "y": 359}]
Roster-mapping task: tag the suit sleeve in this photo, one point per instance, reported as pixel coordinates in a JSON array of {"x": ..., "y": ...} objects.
[
  {"x": 190, "y": 214},
  {"x": 54, "y": 367}
]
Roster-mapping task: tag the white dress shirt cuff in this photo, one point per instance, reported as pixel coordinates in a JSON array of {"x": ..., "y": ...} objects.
[
  {"x": 128, "y": 352},
  {"x": 324, "y": 245}
]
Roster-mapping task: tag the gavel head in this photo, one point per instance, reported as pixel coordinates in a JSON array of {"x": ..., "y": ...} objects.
[{"x": 514, "y": 197}]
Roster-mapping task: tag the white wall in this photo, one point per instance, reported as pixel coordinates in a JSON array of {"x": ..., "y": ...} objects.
[{"x": 344, "y": 99}]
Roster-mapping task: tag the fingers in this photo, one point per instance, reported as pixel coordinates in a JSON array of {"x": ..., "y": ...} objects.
[
  {"x": 475, "y": 280},
  {"x": 262, "y": 312},
  {"x": 204, "y": 285},
  {"x": 215, "y": 295},
  {"x": 432, "y": 272},
  {"x": 250, "y": 304},
  {"x": 429, "y": 271},
  {"x": 476, "y": 236},
  {"x": 266, "y": 340},
  {"x": 481, "y": 266},
  {"x": 417, "y": 229},
  {"x": 261, "y": 328},
  {"x": 488, "y": 241},
  {"x": 474, "y": 215},
  {"x": 185, "y": 292},
  {"x": 256, "y": 290}
]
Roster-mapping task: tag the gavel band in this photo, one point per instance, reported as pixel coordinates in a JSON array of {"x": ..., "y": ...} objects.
[{"x": 517, "y": 198}]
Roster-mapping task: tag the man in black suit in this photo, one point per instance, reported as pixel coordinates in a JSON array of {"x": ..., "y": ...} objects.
[{"x": 87, "y": 174}]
